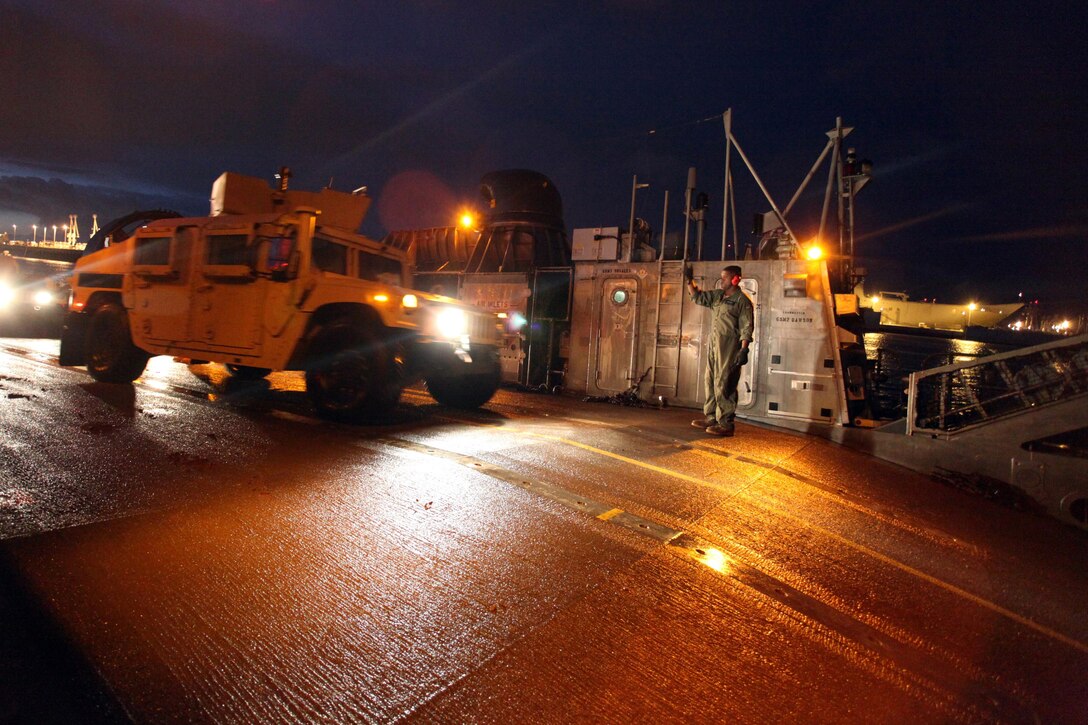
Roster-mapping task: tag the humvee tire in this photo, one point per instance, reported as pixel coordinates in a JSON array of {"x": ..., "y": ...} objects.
[
  {"x": 111, "y": 356},
  {"x": 466, "y": 391},
  {"x": 245, "y": 372},
  {"x": 351, "y": 375}
]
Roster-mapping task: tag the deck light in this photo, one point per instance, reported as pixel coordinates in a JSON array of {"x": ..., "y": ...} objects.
[{"x": 814, "y": 253}]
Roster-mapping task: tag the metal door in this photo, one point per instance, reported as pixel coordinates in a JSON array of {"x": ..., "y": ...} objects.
[
  {"x": 746, "y": 388},
  {"x": 161, "y": 283},
  {"x": 616, "y": 333},
  {"x": 228, "y": 296}
]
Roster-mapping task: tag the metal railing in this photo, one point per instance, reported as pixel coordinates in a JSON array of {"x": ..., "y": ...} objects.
[{"x": 954, "y": 398}]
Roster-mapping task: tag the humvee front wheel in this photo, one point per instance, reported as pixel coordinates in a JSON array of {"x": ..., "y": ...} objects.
[
  {"x": 245, "y": 372},
  {"x": 351, "y": 375},
  {"x": 111, "y": 356},
  {"x": 464, "y": 391}
]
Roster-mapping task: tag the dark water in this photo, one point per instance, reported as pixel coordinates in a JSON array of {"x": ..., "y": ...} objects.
[{"x": 893, "y": 357}]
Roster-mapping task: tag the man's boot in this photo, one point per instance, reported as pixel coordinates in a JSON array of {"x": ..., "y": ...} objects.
[
  {"x": 722, "y": 430},
  {"x": 704, "y": 423}
]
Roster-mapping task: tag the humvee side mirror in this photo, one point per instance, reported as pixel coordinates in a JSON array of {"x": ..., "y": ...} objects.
[{"x": 282, "y": 259}]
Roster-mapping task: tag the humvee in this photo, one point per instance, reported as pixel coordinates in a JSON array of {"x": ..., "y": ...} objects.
[{"x": 277, "y": 280}]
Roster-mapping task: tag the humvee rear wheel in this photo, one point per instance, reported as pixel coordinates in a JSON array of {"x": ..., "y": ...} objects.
[
  {"x": 351, "y": 375},
  {"x": 465, "y": 391},
  {"x": 245, "y": 372},
  {"x": 111, "y": 356}
]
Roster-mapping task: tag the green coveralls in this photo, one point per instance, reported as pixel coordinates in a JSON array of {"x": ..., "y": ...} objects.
[{"x": 731, "y": 323}]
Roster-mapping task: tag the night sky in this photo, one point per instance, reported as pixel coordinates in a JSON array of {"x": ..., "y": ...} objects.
[{"x": 974, "y": 114}]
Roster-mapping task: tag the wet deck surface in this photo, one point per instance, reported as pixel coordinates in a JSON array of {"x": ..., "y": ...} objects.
[{"x": 192, "y": 549}]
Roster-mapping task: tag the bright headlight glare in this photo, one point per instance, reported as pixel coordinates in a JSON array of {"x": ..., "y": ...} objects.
[
  {"x": 43, "y": 297},
  {"x": 451, "y": 322},
  {"x": 409, "y": 301},
  {"x": 7, "y": 295}
]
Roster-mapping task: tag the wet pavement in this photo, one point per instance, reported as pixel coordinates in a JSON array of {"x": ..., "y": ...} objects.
[{"x": 197, "y": 549}]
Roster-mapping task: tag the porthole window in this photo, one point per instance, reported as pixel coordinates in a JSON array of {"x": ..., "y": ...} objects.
[{"x": 620, "y": 296}]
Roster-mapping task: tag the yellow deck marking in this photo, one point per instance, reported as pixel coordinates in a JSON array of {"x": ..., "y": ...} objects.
[
  {"x": 609, "y": 514},
  {"x": 951, "y": 588},
  {"x": 938, "y": 537}
]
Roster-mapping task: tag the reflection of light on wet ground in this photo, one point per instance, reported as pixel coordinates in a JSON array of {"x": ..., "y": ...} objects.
[
  {"x": 160, "y": 366},
  {"x": 713, "y": 558},
  {"x": 158, "y": 369}
]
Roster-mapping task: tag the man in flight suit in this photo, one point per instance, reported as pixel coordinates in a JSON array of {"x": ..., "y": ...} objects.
[{"x": 730, "y": 335}]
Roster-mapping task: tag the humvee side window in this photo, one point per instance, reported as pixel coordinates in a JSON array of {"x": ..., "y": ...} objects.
[
  {"x": 377, "y": 268},
  {"x": 330, "y": 256},
  {"x": 228, "y": 249},
  {"x": 152, "y": 251}
]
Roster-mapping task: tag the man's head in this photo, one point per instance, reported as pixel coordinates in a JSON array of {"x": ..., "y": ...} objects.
[{"x": 731, "y": 275}]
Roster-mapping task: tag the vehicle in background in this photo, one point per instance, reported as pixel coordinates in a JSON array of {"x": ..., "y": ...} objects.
[
  {"x": 33, "y": 297},
  {"x": 278, "y": 280}
]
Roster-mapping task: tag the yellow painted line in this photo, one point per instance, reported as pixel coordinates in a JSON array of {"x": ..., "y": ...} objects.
[
  {"x": 625, "y": 459},
  {"x": 951, "y": 588},
  {"x": 610, "y": 514},
  {"x": 935, "y": 536},
  {"x": 594, "y": 423}
]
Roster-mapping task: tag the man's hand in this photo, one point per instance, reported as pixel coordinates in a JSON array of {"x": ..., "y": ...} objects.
[
  {"x": 742, "y": 358},
  {"x": 689, "y": 273}
]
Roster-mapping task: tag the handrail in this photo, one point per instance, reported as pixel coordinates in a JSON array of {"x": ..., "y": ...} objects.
[{"x": 960, "y": 396}]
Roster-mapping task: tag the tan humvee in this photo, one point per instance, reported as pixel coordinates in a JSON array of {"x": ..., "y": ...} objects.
[{"x": 277, "y": 280}]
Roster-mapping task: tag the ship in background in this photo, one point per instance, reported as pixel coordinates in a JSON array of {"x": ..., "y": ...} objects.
[{"x": 896, "y": 309}]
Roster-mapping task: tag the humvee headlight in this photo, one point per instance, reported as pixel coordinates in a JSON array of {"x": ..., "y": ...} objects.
[
  {"x": 43, "y": 297},
  {"x": 409, "y": 301},
  {"x": 7, "y": 294},
  {"x": 451, "y": 322}
]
